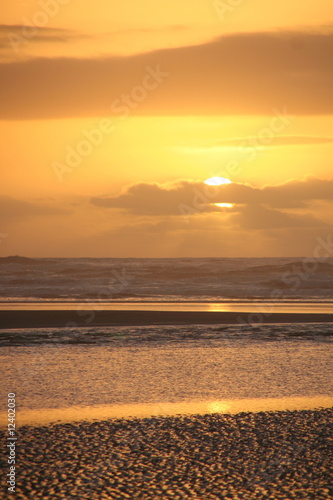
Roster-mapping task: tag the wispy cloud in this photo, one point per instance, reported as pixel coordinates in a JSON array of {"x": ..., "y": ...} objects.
[
  {"x": 13, "y": 207},
  {"x": 248, "y": 141},
  {"x": 148, "y": 30},
  {"x": 40, "y": 34}
]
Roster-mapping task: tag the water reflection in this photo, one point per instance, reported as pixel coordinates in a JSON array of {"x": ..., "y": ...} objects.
[
  {"x": 90, "y": 413},
  {"x": 267, "y": 307}
]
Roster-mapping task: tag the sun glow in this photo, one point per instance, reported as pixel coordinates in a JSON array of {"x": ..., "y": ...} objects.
[
  {"x": 224, "y": 205},
  {"x": 217, "y": 181},
  {"x": 218, "y": 407}
]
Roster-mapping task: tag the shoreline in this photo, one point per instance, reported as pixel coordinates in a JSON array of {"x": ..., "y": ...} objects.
[
  {"x": 299, "y": 307},
  {"x": 188, "y": 408},
  {"x": 88, "y": 318}
]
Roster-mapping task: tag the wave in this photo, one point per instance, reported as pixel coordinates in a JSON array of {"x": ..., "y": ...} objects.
[
  {"x": 17, "y": 259},
  {"x": 291, "y": 267},
  {"x": 179, "y": 279}
]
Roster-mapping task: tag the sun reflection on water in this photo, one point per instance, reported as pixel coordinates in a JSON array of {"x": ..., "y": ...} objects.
[{"x": 218, "y": 407}]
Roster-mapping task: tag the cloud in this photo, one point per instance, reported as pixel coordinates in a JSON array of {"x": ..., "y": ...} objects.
[
  {"x": 34, "y": 33},
  {"x": 151, "y": 199},
  {"x": 310, "y": 189},
  {"x": 245, "y": 233},
  {"x": 292, "y": 194},
  {"x": 7, "y": 28},
  {"x": 248, "y": 142},
  {"x": 12, "y": 207},
  {"x": 254, "y": 217},
  {"x": 251, "y": 73},
  {"x": 171, "y": 28},
  {"x": 270, "y": 207},
  {"x": 171, "y": 199},
  {"x": 39, "y": 227},
  {"x": 14, "y": 38}
]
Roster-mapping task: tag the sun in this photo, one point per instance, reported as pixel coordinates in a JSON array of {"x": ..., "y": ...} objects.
[
  {"x": 217, "y": 181},
  {"x": 224, "y": 205}
]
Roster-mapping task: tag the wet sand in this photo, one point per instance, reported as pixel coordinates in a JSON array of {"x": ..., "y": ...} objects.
[
  {"x": 265, "y": 455},
  {"x": 56, "y": 318},
  {"x": 49, "y": 416}
]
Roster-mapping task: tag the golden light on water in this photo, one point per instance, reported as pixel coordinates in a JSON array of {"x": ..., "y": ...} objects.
[{"x": 218, "y": 407}]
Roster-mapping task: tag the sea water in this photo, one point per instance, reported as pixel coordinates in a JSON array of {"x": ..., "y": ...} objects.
[
  {"x": 166, "y": 280},
  {"x": 104, "y": 367}
]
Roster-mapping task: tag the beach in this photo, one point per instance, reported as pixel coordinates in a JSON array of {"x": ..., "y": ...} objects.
[
  {"x": 166, "y": 250},
  {"x": 265, "y": 455},
  {"x": 161, "y": 393},
  {"x": 159, "y": 412}
]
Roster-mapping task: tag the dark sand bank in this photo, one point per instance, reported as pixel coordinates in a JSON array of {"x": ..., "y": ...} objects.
[
  {"x": 267, "y": 455},
  {"x": 45, "y": 319}
]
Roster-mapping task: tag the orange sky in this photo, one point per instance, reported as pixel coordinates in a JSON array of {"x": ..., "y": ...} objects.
[{"x": 113, "y": 116}]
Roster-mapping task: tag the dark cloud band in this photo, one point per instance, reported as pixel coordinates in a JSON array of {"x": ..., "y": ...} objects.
[{"x": 239, "y": 74}]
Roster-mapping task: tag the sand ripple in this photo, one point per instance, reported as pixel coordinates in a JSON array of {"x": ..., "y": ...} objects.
[{"x": 281, "y": 455}]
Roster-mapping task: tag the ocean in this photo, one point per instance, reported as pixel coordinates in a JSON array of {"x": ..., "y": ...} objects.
[
  {"x": 106, "y": 366},
  {"x": 166, "y": 280},
  {"x": 98, "y": 405}
]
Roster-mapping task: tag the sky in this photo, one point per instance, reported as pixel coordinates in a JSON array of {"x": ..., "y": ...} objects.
[{"x": 114, "y": 116}]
